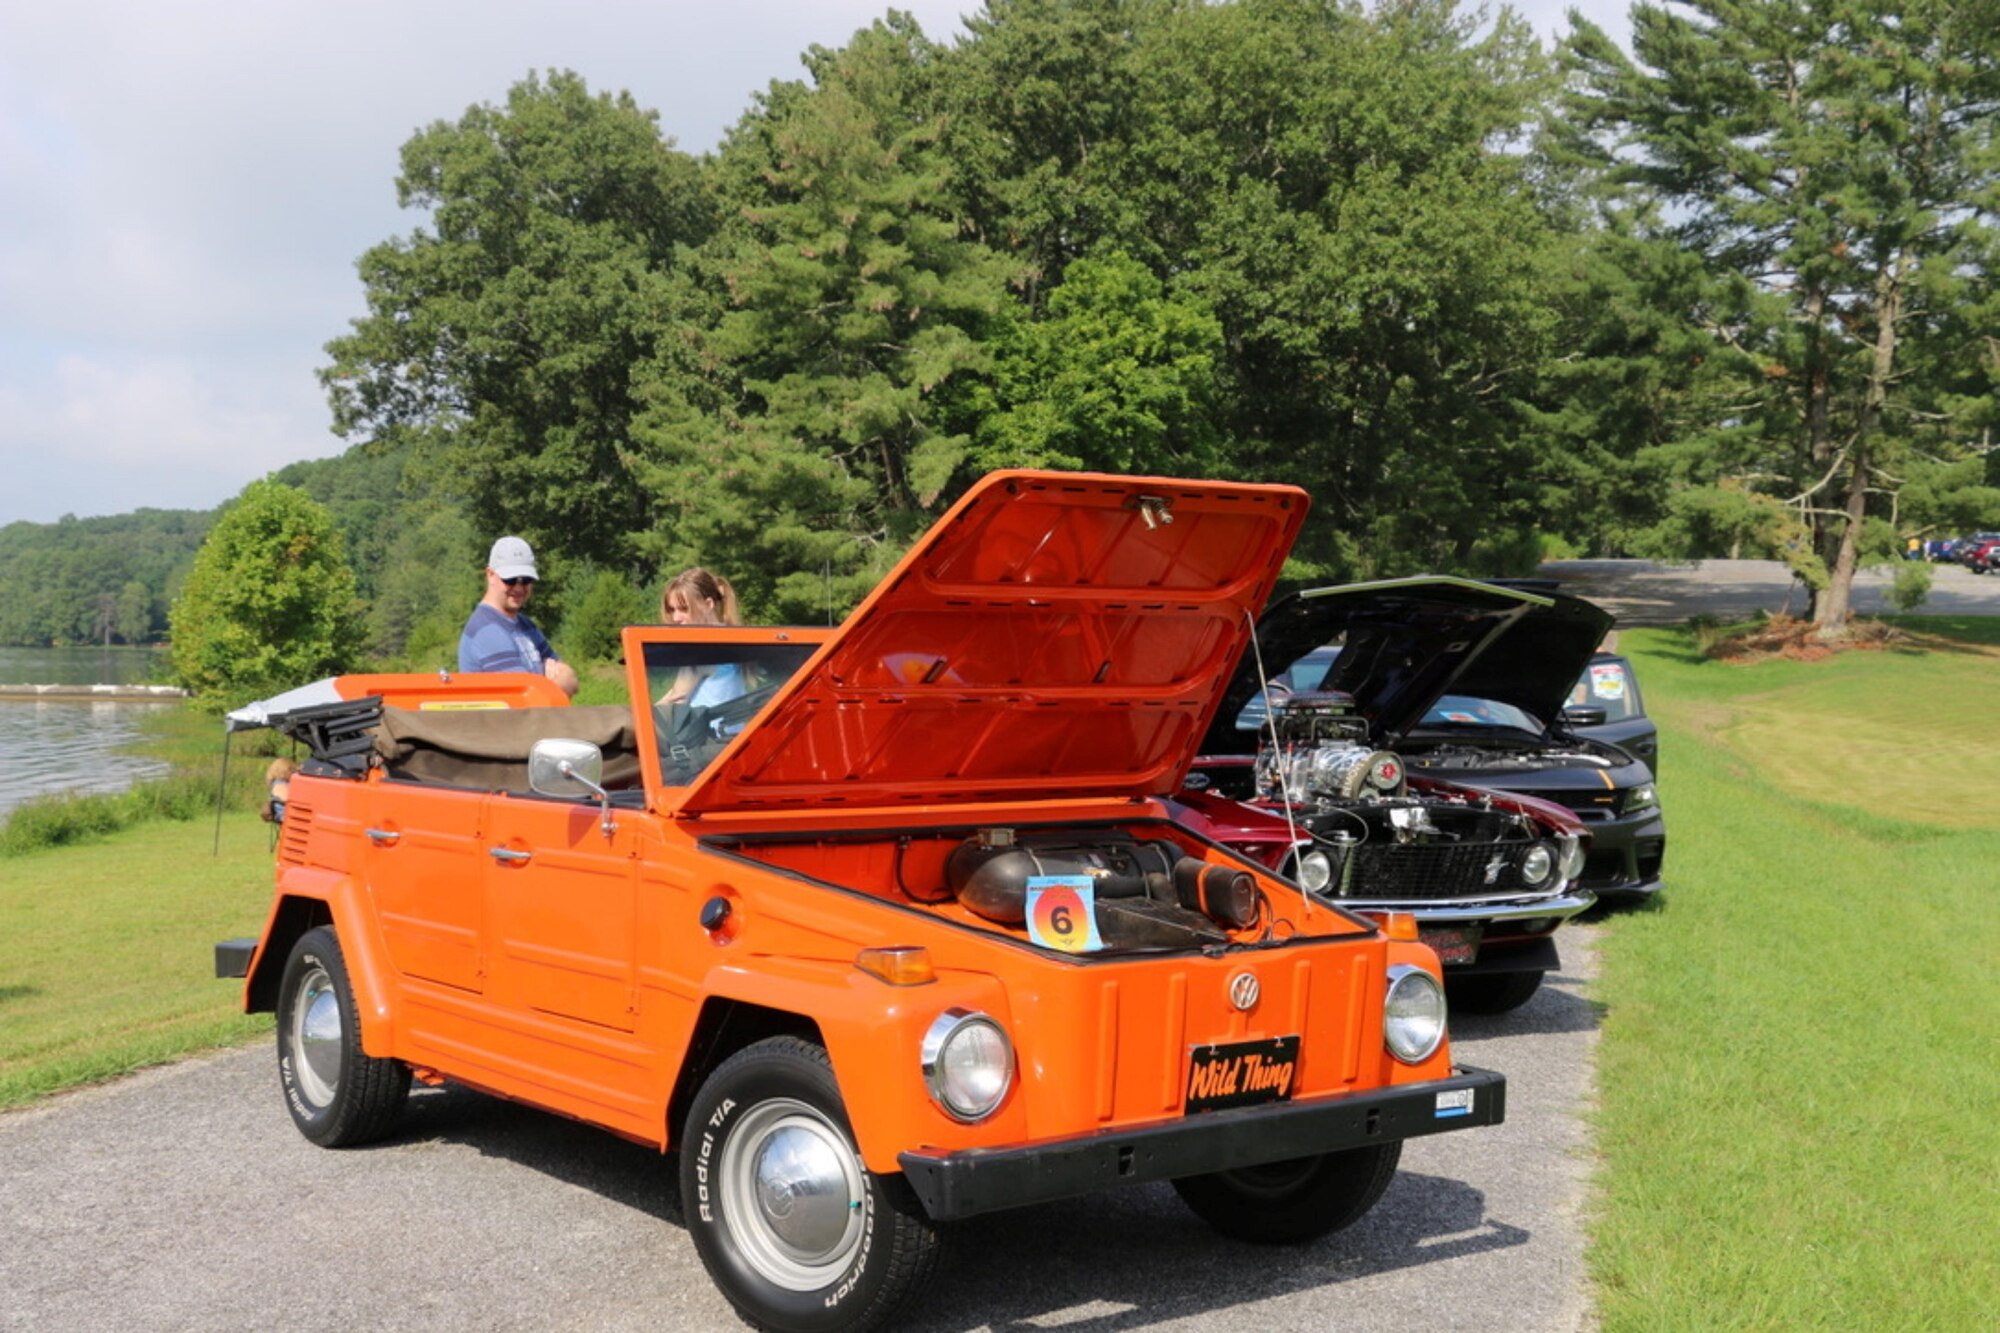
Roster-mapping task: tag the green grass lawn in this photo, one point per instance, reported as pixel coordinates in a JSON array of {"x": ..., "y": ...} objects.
[
  {"x": 1798, "y": 1086},
  {"x": 107, "y": 950}
]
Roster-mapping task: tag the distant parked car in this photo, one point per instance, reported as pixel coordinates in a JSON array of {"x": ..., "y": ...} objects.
[{"x": 1979, "y": 552}]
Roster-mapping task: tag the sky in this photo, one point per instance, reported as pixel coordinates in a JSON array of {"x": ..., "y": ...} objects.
[{"x": 185, "y": 186}]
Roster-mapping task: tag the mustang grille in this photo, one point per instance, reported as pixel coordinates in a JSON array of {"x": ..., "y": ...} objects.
[{"x": 1439, "y": 872}]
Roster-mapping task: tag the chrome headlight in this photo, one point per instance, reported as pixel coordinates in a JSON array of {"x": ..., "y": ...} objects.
[
  {"x": 968, "y": 1064},
  {"x": 1572, "y": 855},
  {"x": 1538, "y": 864},
  {"x": 1315, "y": 871},
  {"x": 1413, "y": 1014},
  {"x": 1642, "y": 797}
]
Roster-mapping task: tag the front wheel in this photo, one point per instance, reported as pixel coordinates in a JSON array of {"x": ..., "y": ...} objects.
[
  {"x": 1491, "y": 992},
  {"x": 338, "y": 1096},
  {"x": 796, "y": 1232},
  {"x": 1289, "y": 1203}
]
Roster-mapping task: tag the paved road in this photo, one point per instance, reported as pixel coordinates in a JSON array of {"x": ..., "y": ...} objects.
[
  {"x": 1646, "y": 592},
  {"x": 182, "y": 1198}
]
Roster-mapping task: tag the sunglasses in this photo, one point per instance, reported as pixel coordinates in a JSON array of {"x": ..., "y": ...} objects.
[{"x": 519, "y": 583}]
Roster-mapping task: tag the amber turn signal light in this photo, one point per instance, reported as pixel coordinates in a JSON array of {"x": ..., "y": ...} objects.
[
  {"x": 1396, "y": 925},
  {"x": 899, "y": 965}
]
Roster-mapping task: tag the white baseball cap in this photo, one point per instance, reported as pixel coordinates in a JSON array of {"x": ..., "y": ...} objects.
[{"x": 510, "y": 558}]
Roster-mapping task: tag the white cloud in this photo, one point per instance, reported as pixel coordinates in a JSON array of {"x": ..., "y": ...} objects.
[
  {"x": 93, "y": 437},
  {"x": 188, "y": 183}
]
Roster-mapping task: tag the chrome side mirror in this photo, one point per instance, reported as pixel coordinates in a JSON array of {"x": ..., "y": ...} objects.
[{"x": 563, "y": 767}]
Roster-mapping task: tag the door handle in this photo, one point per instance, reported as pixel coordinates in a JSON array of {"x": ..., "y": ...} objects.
[
  {"x": 384, "y": 837},
  {"x": 508, "y": 856}
]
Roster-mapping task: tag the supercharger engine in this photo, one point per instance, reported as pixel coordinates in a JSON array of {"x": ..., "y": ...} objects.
[{"x": 1322, "y": 754}]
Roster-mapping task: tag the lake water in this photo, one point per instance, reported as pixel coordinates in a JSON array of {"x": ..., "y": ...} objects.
[{"x": 50, "y": 746}]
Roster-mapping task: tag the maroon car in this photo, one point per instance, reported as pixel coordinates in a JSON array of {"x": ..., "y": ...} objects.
[
  {"x": 1979, "y": 556},
  {"x": 1334, "y": 771}
]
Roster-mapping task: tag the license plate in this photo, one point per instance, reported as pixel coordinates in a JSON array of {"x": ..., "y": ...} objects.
[
  {"x": 1454, "y": 944},
  {"x": 1241, "y": 1073}
]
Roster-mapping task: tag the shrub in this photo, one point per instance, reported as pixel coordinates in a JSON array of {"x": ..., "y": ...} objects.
[
  {"x": 1912, "y": 587},
  {"x": 270, "y": 602}
]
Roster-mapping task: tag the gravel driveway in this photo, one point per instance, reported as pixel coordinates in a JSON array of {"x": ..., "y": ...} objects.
[{"x": 182, "y": 1198}]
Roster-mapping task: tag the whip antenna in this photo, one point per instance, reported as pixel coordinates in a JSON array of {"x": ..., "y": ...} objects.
[{"x": 1284, "y": 777}]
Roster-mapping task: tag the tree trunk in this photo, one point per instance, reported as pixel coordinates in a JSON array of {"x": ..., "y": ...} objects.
[
  {"x": 1832, "y": 607},
  {"x": 1831, "y": 612},
  {"x": 1820, "y": 447}
]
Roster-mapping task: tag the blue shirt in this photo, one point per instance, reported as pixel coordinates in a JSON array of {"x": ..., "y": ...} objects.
[{"x": 493, "y": 642}]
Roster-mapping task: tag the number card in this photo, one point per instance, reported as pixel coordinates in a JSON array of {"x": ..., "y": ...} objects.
[{"x": 1062, "y": 913}]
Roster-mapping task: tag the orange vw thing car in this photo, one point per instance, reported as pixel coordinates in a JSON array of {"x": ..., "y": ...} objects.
[{"x": 891, "y": 930}]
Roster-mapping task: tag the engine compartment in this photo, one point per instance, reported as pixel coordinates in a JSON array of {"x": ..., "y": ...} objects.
[
  {"x": 1144, "y": 888},
  {"x": 1506, "y": 757},
  {"x": 1368, "y": 839}
]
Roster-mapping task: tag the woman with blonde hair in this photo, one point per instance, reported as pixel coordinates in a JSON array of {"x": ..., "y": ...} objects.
[{"x": 696, "y": 596}]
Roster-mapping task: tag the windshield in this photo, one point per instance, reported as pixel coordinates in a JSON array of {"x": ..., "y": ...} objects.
[
  {"x": 1301, "y": 675},
  {"x": 704, "y": 694},
  {"x": 1463, "y": 710}
]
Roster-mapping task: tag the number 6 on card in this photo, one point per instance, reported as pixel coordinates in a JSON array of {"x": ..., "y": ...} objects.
[{"x": 1061, "y": 913}]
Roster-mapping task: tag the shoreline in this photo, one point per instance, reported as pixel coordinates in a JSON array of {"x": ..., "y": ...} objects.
[{"x": 92, "y": 693}]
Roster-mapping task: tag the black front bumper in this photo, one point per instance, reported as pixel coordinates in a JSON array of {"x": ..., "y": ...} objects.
[{"x": 981, "y": 1180}]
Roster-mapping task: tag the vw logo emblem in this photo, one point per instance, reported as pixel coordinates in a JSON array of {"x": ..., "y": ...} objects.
[{"x": 1243, "y": 990}]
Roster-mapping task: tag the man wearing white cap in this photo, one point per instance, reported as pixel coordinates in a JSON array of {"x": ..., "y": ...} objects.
[{"x": 499, "y": 636}]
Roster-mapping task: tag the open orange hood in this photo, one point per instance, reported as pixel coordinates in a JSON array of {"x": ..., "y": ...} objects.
[{"x": 1054, "y": 635}]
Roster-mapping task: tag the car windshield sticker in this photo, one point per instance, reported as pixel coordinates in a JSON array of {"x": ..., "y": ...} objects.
[
  {"x": 1607, "y": 681},
  {"x": 1062, "y": 913}
]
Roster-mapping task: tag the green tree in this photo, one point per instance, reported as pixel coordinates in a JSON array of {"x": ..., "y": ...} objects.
[
  {"x": 610, "y": 602},
  {"x": 502, "y": 343},
  {"x": 1119, "y": 377},
  {"x": 1832, "y": 164},
  {"x": 269, "y": 603},
  {"x": 135, "y": 612},
  {"x": 430, "y": 582},
  {"x": 1343, "y": 193},
  {"x": 858, "y": 302}
]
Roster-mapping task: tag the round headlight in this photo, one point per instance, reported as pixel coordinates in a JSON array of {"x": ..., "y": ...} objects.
[
  {"x": 968, "y": 1064},
  {"x": 1413, "y": 1014},
  {"x": 1315, "y": 871},
  {"x": 1572, "y": 857},
  {"x": 1537, "y": 864}
]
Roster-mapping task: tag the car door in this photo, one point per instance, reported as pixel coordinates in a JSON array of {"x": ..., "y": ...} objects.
[
  {"x": 560, "y": 901},
  {"x": 426, "y": 867},
  {"x": 1609, "y": 683}
]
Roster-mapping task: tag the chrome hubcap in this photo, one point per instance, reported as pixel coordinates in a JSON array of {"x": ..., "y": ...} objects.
[
  {"x": 316, "y": 1037},
  {"x": 792, "y": 1190}
]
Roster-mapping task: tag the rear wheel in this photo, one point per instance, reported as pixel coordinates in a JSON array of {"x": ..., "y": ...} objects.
[
  {"x": 338, "y": 1096},
  {"x": 1491, "y": 992},
  {"x": 797, "y": 1233},
  {"x": 1288, "y": 1203}
]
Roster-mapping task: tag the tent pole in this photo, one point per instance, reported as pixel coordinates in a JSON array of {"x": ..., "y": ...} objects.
[{"x": 221, "y": 787}]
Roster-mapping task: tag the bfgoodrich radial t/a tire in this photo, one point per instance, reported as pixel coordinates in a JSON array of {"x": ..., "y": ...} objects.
[
  {"x": 338, "y": 1096},
  {"x": 1288, "y": 1203},
  {"x": 797, "y": 1233}
]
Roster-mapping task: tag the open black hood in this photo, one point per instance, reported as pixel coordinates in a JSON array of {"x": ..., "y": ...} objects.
[{"x": 1406, "y": 642}]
